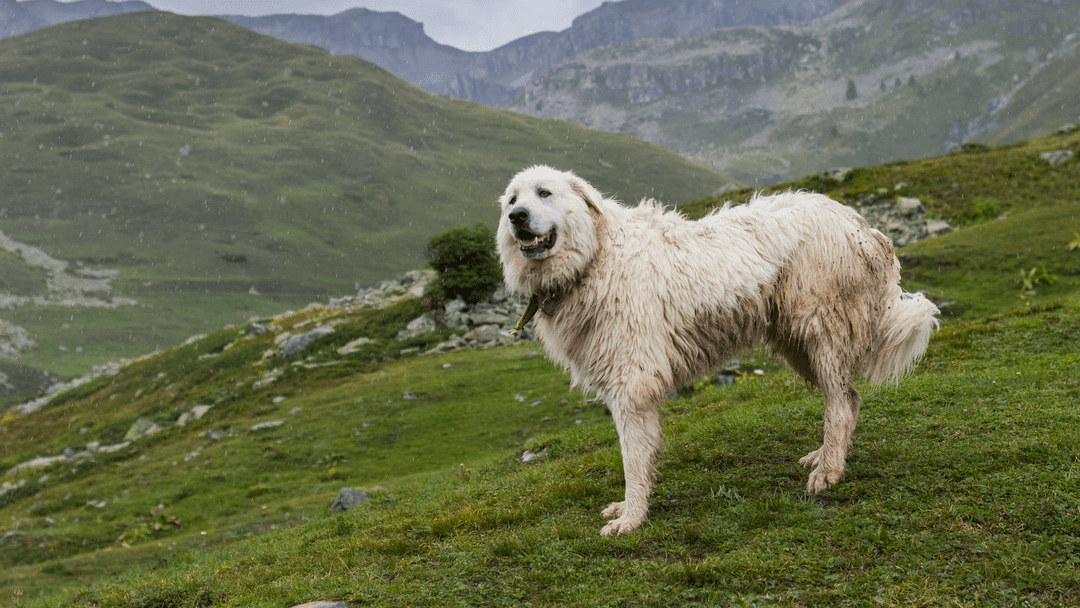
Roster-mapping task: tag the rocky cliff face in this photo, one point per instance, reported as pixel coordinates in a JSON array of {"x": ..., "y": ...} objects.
[{"x": 870, "y": 82}]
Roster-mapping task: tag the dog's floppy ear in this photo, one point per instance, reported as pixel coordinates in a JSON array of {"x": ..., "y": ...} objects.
[{"x": 590, "y": 195}]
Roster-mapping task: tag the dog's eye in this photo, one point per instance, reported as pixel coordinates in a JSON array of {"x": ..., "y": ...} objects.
[
  {"x": 512, "y": 201},
  {"x": 542, "y": 193}
]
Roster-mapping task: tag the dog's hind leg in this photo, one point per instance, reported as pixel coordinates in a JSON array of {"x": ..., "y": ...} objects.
[{"x": 640, "y": 439}]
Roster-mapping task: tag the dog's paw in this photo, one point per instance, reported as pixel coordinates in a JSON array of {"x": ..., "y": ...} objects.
[
  {"x": 810, "y": 461},
  {"x": 615, "y": 509},
  {"x": 820, "y": 479},
  {"x": 621, "y": 525}
]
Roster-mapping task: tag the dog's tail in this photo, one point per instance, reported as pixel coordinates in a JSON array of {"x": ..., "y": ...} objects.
[{"x": 901, "y": 336}]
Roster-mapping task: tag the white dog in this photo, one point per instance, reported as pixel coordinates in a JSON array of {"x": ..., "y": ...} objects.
[{"x": 637, "y": 302}]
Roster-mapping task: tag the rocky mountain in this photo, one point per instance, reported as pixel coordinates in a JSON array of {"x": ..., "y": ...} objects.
[
  {"x": 399, "y": 44},
  {"x": 870, "y": 82},
  {"x": 761, "y": 91},
  {"x": 495, "y": 77}
]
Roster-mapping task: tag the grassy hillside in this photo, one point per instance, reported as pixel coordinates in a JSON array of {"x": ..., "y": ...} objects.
[
  {"x": 961, "y": 490},
  {"x": 962, "y": 487},
  {"x": 368, "y": 419},
  {"x": 1017, "y": 212},
  {"x": 1048, "y": 100},
  {"x": 226, "y": 174}
]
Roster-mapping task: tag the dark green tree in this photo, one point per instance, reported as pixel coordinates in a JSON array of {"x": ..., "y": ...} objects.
[
  {"x": 466, "y": 262},
  {"x": 852, "y": 92}
]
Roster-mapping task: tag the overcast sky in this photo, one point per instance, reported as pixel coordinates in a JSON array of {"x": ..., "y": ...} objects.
[{"x": 471, "y": 25}]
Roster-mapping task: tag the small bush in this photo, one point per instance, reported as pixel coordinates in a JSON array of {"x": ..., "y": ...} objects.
[{"x": 466, "y": 263}]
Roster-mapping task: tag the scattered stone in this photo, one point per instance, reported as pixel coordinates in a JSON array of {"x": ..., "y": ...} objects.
[
  {"x": 484, "y": 334},
  {"x": 417, "y": 327},
  {"x": 97, "y": 504},
  {"x": 116, "y": 447},
  {"x": 904, "y": 221},
  {"x": 269, "y": 424},
  {"x": 348, "y": 498},
  {"x": 1056, "y": 158},
  {"x": 258, "y": 329},
  {"x": 1066, "y": 128},
  {"x": 142, "y": 427},
  {"x": 294, "y": 345},
  {"x": 529, "y": 455},
  {"x": 909, "y": 206},
  {"x": 194, "y": 454},
  {"x": 13, "y": 534},
  {"x": 838, "y": 173},
  {"x": 408, "y": 396},
  {"x": 323, "y": 604},
  {"x": 354, "y": 346},
  {"x": 268, "y": 378},
  {"x": 937, "y": 227}
]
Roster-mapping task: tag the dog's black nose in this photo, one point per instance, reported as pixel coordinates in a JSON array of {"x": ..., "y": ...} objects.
[{"x": 519, "y": 216}]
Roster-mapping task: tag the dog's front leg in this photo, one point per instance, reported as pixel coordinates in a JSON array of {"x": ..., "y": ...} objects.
[{"x": 640, "y": 439}]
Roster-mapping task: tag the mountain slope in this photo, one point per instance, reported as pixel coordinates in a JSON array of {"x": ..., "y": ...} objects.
[
  {"x": 165, "y": 173},
  {"x": 495, "y": 77},
  {"x": 991, "y": 408},
  {"x": 870, "y": 82}
]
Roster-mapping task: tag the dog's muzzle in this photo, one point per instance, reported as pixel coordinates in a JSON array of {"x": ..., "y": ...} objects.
[{"x": 532, "y": 245}]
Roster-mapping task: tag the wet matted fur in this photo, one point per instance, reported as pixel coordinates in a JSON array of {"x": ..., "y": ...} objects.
[{"x": 637, "y": 302}]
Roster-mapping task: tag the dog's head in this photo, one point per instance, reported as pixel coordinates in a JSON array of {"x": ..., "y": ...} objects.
[{"x": 547, "y": 231}]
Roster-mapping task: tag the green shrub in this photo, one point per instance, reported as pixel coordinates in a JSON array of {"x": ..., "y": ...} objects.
[{"x": 466, "y": 263}]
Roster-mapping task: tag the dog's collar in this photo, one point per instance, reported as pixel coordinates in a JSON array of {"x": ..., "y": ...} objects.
[{"x": 546, "y": 302}]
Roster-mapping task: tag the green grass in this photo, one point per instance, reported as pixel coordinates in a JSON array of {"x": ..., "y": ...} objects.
[
  {"x": 1016, "y": 211},
  {"x": 346, "y": 424},
  {"x": 198, "y": 157},
  {"x": 962, "y": 489}
]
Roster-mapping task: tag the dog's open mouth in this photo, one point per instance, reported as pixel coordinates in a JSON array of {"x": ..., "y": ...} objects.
[{"x": 533, "y": 245}]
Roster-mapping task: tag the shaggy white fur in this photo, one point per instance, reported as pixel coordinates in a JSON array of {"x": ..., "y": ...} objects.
[{"x": 637, "y": 302}]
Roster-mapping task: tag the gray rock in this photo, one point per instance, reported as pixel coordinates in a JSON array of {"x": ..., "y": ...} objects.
[
  {"x": 6, "y": 536},
  {"x": 417, "y": 327},
  {"x": 484, "y": 333},
  {"x": 909, "y": 206},
  {"x": 258, "y": 329},
  {"x": 838, "y": 173},
  {"x": 489, "y": 317},
  {"x": 267, "y": 379},
  {"x": 938, "y": 227},
  {"x": 294, "y": 345},
  {"x": 140, "y": 429},
  {"x": 348, "y": 498},
  {"x": 354, "y": 346},
  {"x": 1056, "y": 158}
]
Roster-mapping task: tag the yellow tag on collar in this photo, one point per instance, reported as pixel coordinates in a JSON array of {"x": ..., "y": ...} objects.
[{"x": 530, "y": 312}]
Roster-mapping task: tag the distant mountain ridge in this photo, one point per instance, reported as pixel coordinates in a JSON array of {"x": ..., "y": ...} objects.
[
  {"x": 399, "y": 44},
  {"x": 761, "y": 91},
  {"x": 870, "y": 82},
  {"x": 495, "y": 77},
  {"x": 22, "y": 17}
]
